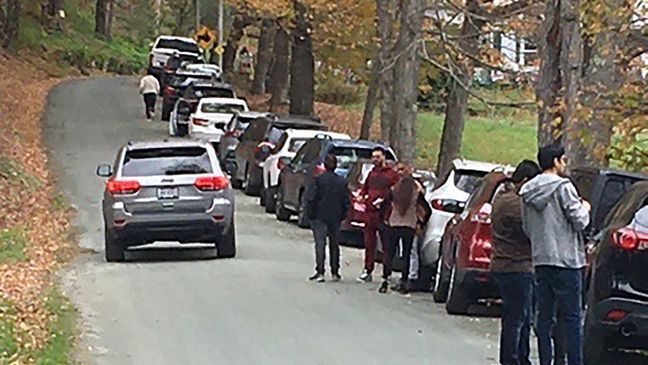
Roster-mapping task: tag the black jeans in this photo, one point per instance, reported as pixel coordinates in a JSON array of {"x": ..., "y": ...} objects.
[
  {"x": 516, "y": 290},
  {"x": 322, "y": 230},
  {"x": 149, "y": 104},
  {"x": 397, "y": 234}
]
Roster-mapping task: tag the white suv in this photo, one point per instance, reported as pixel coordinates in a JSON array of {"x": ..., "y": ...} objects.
[
  {"x": 166, "y": 46},
  {"x": 287, "y": 146},
  {"x": 211, "y": 116}
]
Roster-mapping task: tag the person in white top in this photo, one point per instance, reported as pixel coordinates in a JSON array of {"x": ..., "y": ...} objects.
[{"x": 149, "y": 87}]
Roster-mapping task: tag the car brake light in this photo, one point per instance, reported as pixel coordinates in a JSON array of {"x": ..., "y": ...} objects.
[
  {"x": 199, "y": 122},
  {"x": 629, "y": 239},
  {"x": 483, "y": 215},
  {"x": 616, "y": 315},
  {"x": 437, "y": 204},
  {"x": 319, "y": 169},
  {"x": 211, "y": 183},
  {"x": 122, "y": 187}
]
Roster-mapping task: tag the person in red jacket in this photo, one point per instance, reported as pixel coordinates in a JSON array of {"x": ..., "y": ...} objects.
[{"x": 375, "y": 189}]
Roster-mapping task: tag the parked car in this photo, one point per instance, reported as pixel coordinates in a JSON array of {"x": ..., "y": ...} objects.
[
  {"x": 295, "y": 179},
  {"x": 464, "y": 263},
  {"x": 205, "y": 67},
  {"x": 617, "y": 299},
  {"x": 165, "y": 46},
  {"x": 233, "y": 131},
  {"x": 166, "y": 191},
  {"x": 176, "y": 87},
  {"x": 256, "y": 144},
  {"x": 174, "y": 63},
  {"x": 188, "y": 101},
  {"x": 290, "y": 141},
  {"x": 208, "y": 122}
]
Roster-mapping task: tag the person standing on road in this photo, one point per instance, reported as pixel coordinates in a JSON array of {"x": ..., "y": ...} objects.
[
  {"x": 553, "y": 217},
  {"x": 402, "y": 217},
  {"x": 512, "y": 267},
  {"x": 327, "y": 209},
  {"x": 149, "y": 87},
  {"x": 376, "y": 187}
]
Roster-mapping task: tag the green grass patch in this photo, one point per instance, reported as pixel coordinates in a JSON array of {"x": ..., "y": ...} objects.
[
  {"x": 12, "y": 245},
  {"x": 11, "y": 171},
  {"x": 59, "y": 348},
  {"x": 8, "y": 346}
]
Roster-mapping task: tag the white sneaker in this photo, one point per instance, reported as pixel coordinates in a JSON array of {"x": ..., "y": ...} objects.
[{"x": 365, "y": 277}]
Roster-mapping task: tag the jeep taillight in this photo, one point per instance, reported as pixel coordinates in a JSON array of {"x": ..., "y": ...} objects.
[
  {"x": 628, "y": 238},
  {"x": 211, "y": 183},
  {"x": 122, "y": 187}
]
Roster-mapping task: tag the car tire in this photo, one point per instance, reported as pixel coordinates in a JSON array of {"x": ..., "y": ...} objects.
[
  {"x": 227, "y": 245},
  {"x": 236, "y": 183},
  {"x": 166, "y": 112},
  {"x": 281, "y": 212},
  {"x": 594, "y": 343},
  {"x": 302, "y": 214},
  {"x": 441, "y": 283},
  {"x": 270, "y": 201},
  {"x": 458, "y": 301},
  {"x": 249, "y": 186},
  {"x": 115, "y": 252}
]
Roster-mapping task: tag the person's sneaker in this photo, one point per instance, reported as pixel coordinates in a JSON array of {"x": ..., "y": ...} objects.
[
  {"x": 365, "y": 277},
  {"x": 383, "y": 287},
  {"x": 336, "y": 277},
  {"x": 317, "y": 278}
]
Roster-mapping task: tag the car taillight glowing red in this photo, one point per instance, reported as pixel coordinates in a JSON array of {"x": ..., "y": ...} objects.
[
  {"x": 211, "y": 183},
  {"x": 437, "y": 204},
  {"x": 483, "y": 215},
  {"x": 319, "y": 169},
  {"x": 199, "y": 122},
  {"x": 122, "y": 187},
  {"x": 629, "y": 239}
]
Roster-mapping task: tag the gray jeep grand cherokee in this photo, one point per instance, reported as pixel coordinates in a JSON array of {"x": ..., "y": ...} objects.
[{"x": 167, "y": 191}]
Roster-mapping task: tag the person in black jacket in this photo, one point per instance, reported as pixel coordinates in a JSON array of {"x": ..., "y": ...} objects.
[{"x": 327, "y": 207}]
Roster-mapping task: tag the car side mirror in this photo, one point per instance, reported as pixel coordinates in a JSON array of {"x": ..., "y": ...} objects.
[{"x": 104, "y": 170}]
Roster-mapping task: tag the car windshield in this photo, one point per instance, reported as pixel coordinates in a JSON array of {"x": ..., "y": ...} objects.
[
  {"x": 182, "y": 46},
  {"x": 214, "y": 93},
  {"x": 221, "y": 108},
  {"x": 296, "y": 143},
  {"x": 466, "y": 180},
  {"x": 166, "y": 161}
]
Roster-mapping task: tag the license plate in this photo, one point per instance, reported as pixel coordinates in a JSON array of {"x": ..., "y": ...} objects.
[{"x": 167, "y": 193}]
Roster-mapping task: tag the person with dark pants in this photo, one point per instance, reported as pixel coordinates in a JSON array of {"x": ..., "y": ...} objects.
[
  {"x": 401, "y": 216},
  {"x": 512, "y": 267},
  {"x": 327, "y": 207},
  {"x": 553, "y": 217},
  {"x": 149, "y": 87},
  {"x": 376, "y": 187}
]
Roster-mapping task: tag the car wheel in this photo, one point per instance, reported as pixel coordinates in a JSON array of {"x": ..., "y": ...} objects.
[
  {"x": 115, "y": 252},
  {"x": 594, "y": 343},
  {"x": 166, "y": 112},
  {"x": 302, "y": 214},
  {"x": 236, "y": 183},
  {"x": 262, "y": 197},
  {"x": 458, "y": 301},
  {"x": 270, "y": 201},
  {"x": 440, "y": 283},
  {"x": 281, "y": 212},
  {"x": 227, "y": 245}
]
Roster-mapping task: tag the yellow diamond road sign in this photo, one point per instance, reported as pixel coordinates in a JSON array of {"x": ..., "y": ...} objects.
[
  {"x": 205, "y": 37},
  {"x": 219, "y": 49}
]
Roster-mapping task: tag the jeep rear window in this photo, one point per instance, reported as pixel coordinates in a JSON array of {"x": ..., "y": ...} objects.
[
  {"x": 167, "y": 161},
  {"x": 467, "y": 180},
  {"x": 181, "y": 46}
]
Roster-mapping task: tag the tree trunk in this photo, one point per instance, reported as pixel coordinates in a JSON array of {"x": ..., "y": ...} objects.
[
  {"x": 241, "y": 21},
  {"x": 385, "y": 14},
  {"x": 406, "y": 71},
  {"x": 549, "y": 80},
  {"x": 103, "y": 18},
  {"x": 371, "y": 101},
  {"x": 302, "y": 65},
  {"x": 9, "y": 22},
  {"x": 453, "y": 124},
  {"x": 280, "y": 72},
  {"x": 264, "y": 56}
]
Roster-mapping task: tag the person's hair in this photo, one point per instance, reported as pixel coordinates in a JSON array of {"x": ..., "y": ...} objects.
[
  {"x": 403, "y": 194},
  {"x": 149, "y": 71},
  {"x": 330, "y": 162},
  {"x": 526, "y": 169},
  {"x": 379, "y": 149},
  {"x": 547, "y": 155}
]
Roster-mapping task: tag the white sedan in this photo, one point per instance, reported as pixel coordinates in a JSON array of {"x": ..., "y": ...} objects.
[
  {"x": 211, "y": 116},
  {"x": 289, "y": 142}
]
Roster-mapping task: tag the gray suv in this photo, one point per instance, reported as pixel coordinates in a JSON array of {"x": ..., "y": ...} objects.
[{"x": 167, "y": 191}]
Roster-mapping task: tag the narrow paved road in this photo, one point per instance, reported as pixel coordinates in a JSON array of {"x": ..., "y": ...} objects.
[{"x": 165, "y": 308}]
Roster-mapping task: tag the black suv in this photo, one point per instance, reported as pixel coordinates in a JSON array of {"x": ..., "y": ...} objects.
[
  {"x": 176, "y": 86},
  {"x": 296, "y": 178},
  {"x": 257, "y": 143},
  {"x": 188, "y": 101},
  {"x": 173, "y": 63},
  {"x": 617, "y": 299},
  {"x": 233, "y": 131}
]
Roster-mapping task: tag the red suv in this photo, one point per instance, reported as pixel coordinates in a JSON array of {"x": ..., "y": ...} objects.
[{"x": 463, "y": 275}]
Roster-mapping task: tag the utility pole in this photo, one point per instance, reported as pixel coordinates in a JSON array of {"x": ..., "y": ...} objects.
[{"x": 220, "y": 32}]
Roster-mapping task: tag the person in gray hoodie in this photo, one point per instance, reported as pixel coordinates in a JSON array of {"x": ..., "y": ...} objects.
[{"x": 553, "y": 217}]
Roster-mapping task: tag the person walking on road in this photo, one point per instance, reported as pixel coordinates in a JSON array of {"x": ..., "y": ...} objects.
[
  {"x": 149, "y": 87},
  {"x": 402, "y": 217},
  {"x": 512, "y": 267},
  {"x": 553, "y": 217},
  {"x": 327, "y": 208},
  {"x": 376, "y": 187}
]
